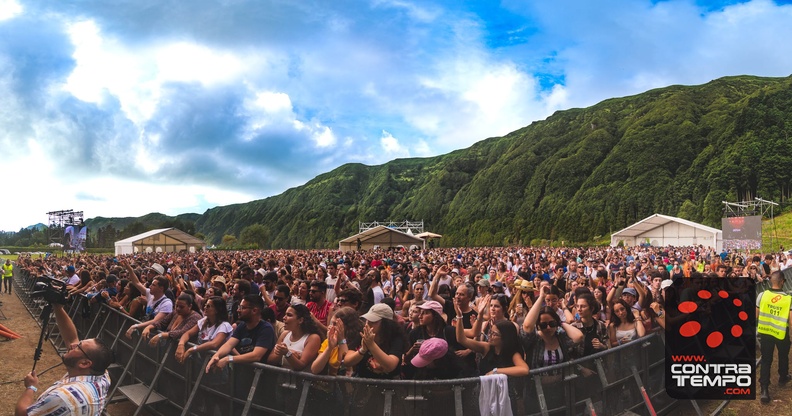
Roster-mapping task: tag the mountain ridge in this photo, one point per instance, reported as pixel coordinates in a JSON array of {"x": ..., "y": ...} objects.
[{"x": 578, "y": 174}]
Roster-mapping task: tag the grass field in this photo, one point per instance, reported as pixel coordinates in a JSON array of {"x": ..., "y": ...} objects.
[{"x": 779, "y": 234}]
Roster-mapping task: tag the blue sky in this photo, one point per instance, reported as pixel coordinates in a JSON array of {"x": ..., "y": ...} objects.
[{"x": 125, "y": 108}]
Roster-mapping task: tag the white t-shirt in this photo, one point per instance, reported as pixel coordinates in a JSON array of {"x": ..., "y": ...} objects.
[
  {"x": 207, "y": 333},
  {"x": 378, "y": 294},
  {"x": 164, "y": 304},
  {"x": 331, "y": 292},
  {"x": 73, "y": 280}
]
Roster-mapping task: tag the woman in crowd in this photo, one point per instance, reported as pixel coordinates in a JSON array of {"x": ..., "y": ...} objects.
[
  {"x": 544, "y": 344},
  {"x": 131, "y": 303},
  {"x": 496, "y": 312},
  {"x": 625, "y": 324},
  {"x": 300, "y": 296},
  {"x": 399, "y": 294},
  {"x": 417, "y": 295},
  {"x": 298, "y": 346},
  {"x": 83, "y": 285},
  {"x": 600, "y": 295},
  {"x": 185, "y": 315},
  {"x": 414, "y": 317},
  {"x": 502, "y": 353},
  {"x": 432, "y": 325},
  {"x": 520, "y": 305},
  {"x": 382, "y": 346},
  {"x": 211, "y": 331},
  {"x": 343, "y": 334}
]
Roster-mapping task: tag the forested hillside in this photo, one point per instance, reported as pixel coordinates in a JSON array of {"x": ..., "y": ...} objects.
[{"x": 580, "y": 173}]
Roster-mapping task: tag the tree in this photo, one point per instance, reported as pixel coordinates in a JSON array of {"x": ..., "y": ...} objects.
[
  {"x": 255, "y": 234},
  {"x": 229, "y": 240}
]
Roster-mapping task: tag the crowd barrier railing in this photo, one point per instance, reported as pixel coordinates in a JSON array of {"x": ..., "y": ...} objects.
[{"x": 628, "y": 379}]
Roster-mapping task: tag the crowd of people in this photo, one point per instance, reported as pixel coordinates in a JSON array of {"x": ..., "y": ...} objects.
[{"x": 391, "y": 314}]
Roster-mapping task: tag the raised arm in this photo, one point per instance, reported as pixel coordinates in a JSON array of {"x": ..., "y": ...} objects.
[
  {"x": 441, "y": 273},
  {"x": 533, "y": 314},
  {"x": 477, "y": 346},
  {"x": 132, "y": 276}
]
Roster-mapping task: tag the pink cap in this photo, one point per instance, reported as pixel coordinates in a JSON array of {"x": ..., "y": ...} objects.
[
  {"x": 431, "y": 349},
  {"x": 433, "y": 305}
]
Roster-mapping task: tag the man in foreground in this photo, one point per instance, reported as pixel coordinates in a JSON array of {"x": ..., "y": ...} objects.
[
  {"x": 773, "y": 317},
  {"x": 83, "y": 390}
]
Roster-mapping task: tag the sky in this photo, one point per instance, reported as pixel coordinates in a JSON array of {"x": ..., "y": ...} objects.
[{"x": 123, "y": 108}]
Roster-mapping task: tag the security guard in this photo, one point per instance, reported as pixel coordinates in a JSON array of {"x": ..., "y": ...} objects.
[
  {"x": 8, "y": 273},
  {"x": 773, "y": 318}
]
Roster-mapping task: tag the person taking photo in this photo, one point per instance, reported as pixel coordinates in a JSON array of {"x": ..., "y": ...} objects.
[{"x": 83, "y": 390}]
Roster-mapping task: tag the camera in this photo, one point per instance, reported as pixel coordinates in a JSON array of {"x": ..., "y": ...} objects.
[{"x": 52, "y": 290}]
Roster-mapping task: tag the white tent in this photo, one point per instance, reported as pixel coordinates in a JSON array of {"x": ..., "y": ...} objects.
[
  {"x": 663, "y": 230},
  {"x": 167, "y": 240},
  {"x": 380, "y": 236}
]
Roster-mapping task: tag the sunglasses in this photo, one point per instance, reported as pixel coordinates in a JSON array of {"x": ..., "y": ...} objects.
[{"x": 545, "y": 325}]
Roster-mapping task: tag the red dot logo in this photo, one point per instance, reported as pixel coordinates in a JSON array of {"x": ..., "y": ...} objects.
[
  {"x": 689, "y": 329},
  {"x": 687, "y": 307},
  {"x": 715, "y": 338},
  {"x": 736, "y": 331}
]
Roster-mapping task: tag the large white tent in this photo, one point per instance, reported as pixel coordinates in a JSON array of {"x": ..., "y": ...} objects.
[
  {"x": 380, "y": 236},
  {"x": 167, "y": 240},
  {"x": 663, "y": 230}
]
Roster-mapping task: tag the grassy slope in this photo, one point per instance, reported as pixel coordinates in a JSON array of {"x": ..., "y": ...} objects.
[{"x": 781, "y": 236}]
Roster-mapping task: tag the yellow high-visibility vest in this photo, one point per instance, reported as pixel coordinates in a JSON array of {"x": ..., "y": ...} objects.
[{"x": 774, "y": 314}]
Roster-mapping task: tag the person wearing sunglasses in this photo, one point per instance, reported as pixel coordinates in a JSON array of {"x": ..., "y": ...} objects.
[
  {"x": 83, "y": 390},
  {"x": 544, "y": 343}
]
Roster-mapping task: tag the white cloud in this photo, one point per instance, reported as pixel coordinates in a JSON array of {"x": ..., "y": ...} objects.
[
  {"x": 421, "y": 14},
  {"x": 206, "y": 106},
  {"x": 392, "y": 147},
  {"x": 9, "y": 9}
]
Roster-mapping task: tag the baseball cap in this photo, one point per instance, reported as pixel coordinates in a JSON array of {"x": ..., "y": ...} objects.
[
  {"x": 379, "y": 312},
  {"x": 431, "y": 349},
  {"x": 220, "y": 279},
  {"x": 70, "y": 269},
  {"x": 432, "y": 305},
  {"x": 666, "y": 283},
  {"x": 630, "y": 291},
  {"x": 498, "y": 284},
  {"x": 483, "y": 282}
]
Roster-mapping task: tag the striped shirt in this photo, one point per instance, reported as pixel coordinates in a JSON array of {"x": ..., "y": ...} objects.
[{"x": 78, "y": 396}]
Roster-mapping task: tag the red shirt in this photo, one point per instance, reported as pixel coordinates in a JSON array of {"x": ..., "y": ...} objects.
[{"x": 320, "y": 311}]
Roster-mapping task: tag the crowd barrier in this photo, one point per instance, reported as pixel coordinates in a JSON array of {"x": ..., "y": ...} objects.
[{"x": 628, "y": 379}]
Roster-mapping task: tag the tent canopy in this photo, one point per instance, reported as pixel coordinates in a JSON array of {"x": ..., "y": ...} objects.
[
  {"x": 428, "y": 234},
  {"x": 664, "y": 230},
  {"x": 381, "y": 236},
  {"x": 160, "y": 240}
]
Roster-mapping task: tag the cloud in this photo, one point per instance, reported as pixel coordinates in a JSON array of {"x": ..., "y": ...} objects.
[
  {"x": 9, "y": 9},
  {"x": 241, "y": 99}
]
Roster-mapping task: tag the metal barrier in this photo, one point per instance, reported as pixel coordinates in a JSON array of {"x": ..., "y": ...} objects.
[{"x": 628, "y": 379}]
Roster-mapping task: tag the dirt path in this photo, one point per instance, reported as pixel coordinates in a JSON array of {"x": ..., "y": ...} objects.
[{"x": 16, "y": 357}]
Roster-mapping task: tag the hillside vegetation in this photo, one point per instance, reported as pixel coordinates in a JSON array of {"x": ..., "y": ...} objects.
[
  {"x": 575, "y": 177},
  {"x": 579, "y": 174}
]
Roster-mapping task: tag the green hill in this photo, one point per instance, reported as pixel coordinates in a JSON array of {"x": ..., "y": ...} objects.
[
  {"x": 580, "y": 173},
  {"x": 574, "y": 177}
]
